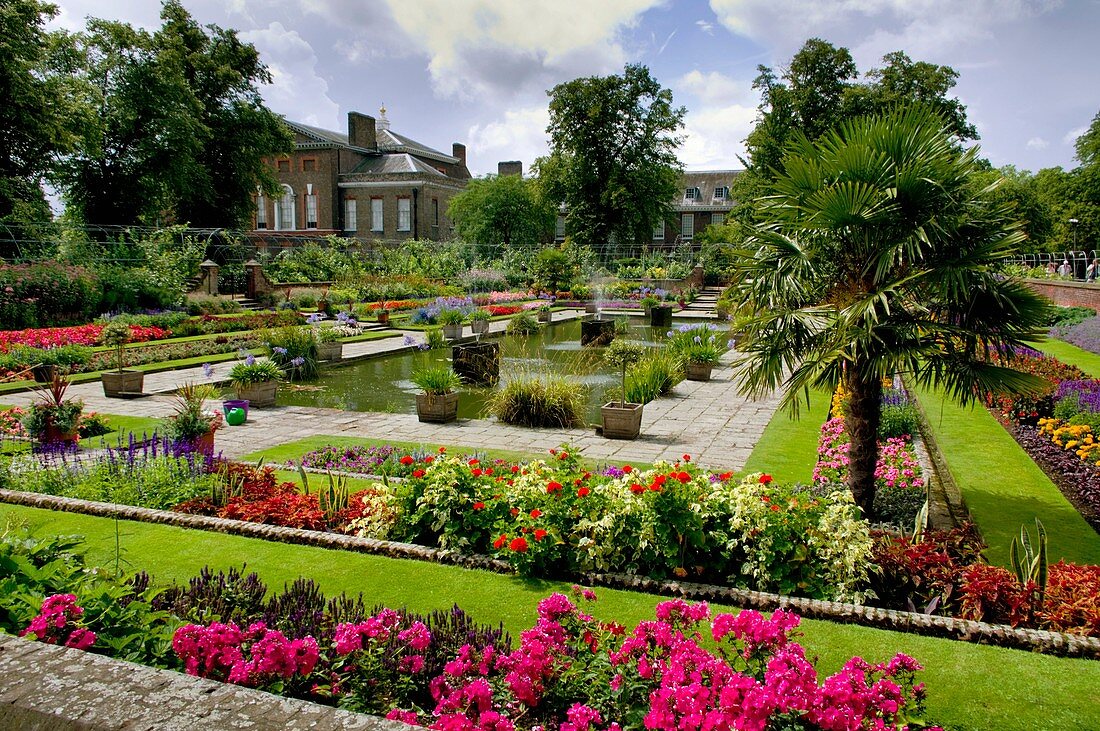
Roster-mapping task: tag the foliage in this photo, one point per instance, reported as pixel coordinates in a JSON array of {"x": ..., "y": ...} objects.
[
  {"x": 436, "y": 381},
  {"x": 898, "y": 420},
  {"x": 539, "y": 400},
  {"x": 46, "y": 294},
  {"x": 701, "y": 343},
  {"x": 622, "y": 354},
  {"x": 293, "y": 350},
  {"x": 191, "y": 420},
  {"x": 1070, "y": 316},
  {"x": 116, "y": 335},
  {"x": 523, "y": 323},
  {"x": 553, "y": 271},
  {"x": 653, "y": 376},
  {"x": 612, "y": 156},
  {"x": 877, "y": 265},
  {"x": 53, "y": 412},
  {"x": 496, "y": 213},
  {"x": 254, "y": 370}
]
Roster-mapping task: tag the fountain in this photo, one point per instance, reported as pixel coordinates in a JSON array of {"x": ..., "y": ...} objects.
[{"x": 594, "y": 329}]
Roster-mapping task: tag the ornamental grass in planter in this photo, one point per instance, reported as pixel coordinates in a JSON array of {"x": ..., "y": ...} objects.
[
  {"x": 479, "y": 321},
  {"x": 622, "y": 420},
  {"x": 192, "y": 423},
  {"x": 328, "y": 342},
  {"x": 451, "y": 320},
  {"x": 523, "y": 323},
  {"x": 655, "y": 375},
  {"x": 439, "y": 402},
  {"x": 539, "y": 400},
  {"x": 256, "y": 380},
  {"x": 294, "y": 350},
  {"x": 121, "y": 382}
]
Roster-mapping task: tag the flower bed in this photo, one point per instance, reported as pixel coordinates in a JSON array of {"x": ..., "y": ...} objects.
[{"x": 52, "y": 337}]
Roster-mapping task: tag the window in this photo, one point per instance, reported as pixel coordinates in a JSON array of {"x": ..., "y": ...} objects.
[
  {"x": 659, "y": 232},
  {"x": 435, "y": 211},
  {"x": 309, "y": 165},
  {"x": 691, "y": 194},
  {"x": 376, "y": 214},
  {"x": 687, "y": 226},
  {"x": 261, "y": 212},
  {"x": 283, "y": 166},
  {"x": 284, "y": 210},
  {"x": 404, "y": 214},
  {"x": 559, "y": 229},
  {"x": 717, "y": 219},
  {"x": 350, "y": 223},
  {"x": 311, "y": 210},
  {"x": 721, "y": 193}
]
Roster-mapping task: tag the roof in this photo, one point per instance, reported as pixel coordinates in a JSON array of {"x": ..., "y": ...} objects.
[
  {"x": 390, "y": 141},
  {"x": 318, "y": 134},
  {"x": 706, "y": 181},
  {"x": 394, "y": 163}
]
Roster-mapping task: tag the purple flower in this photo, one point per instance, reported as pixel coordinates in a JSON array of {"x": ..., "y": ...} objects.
[
  {"x": 250, "y": 360},
  {"x": 315, "y": 318},
  {"x": 207, "y": 370},
  {"x": 297, "y": 362},
  {"x": 278, "y": 351}
]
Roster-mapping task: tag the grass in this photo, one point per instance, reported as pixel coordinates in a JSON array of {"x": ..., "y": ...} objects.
[
  {"x": 1068, "y": 353},
  {"x": 787, "y": 450},
  {"x": 970, "y": 686},
  {"x": 123, "y": 427},
  {"x": 1003, "y": 488}
]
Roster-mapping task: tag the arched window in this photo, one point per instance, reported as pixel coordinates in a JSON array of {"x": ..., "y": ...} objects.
[{"x": 284, "y": 210}]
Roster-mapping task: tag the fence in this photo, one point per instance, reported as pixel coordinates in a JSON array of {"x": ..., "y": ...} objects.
[{"x": 1078, "y": 260}]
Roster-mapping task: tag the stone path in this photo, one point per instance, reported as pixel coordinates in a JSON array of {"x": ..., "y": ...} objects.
[{"x": 709, "y": 420}]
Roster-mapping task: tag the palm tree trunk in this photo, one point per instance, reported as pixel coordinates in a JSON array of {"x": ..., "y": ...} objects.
[{"x": 861, "y": 422}]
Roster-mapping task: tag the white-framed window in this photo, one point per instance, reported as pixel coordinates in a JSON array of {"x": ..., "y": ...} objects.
[
  {"x": 721, "y": 193},
  {"x": 284, "y": 210},
  {"x": 691, "y": 194},
  {"x": 404, "y": 214},
  {"x": 659, "y": 232},
  {"x": 559, "y": 228},
  {"x": 717, "y": 219},
  {"x": 350, "y": 221},
  {"x": 261, "y": 212},
  {"x": 311, "y": 210},
  {"x": 687, "y": 226},
  {"x": 376, "y": 215}
]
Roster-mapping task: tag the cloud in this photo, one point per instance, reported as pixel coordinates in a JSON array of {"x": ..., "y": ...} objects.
[
  {"x": 297, "y": 89},
  {"x": 519, "y": 135},
  {"x": 714, "y": 136},
  {"x": 1037, "y": 143},
  {"x": 665, "y": 44},
  {"x": 1070, "y": 138},
  {"x": 713, "y": 88},
  {"x": 706, "y": 27}
]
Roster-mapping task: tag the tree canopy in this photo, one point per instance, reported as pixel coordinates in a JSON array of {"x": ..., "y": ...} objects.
[
  {"x": 502, "y": 212},
  {"x": 612, "y": 162}
]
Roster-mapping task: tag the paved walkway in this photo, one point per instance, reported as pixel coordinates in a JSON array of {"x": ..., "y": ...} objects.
[{"x": 709, "y": 420}]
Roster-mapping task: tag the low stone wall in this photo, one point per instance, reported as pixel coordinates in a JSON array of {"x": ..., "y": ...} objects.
[
  {"x": 50, "y": 688},
  {"x": 1055, "y": 643},
  {"x": 1067, "y": 293}
]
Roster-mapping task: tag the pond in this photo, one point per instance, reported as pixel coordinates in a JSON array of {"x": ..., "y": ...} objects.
[{"x": 382, "y": 384}]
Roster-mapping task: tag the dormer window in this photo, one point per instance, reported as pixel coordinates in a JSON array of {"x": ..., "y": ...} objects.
[
  {"x": 721, "y": 193},
  {"x": 692, "y": 194}
]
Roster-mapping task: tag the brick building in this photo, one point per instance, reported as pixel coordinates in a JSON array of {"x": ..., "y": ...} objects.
[{"x": 371, "y": 183}]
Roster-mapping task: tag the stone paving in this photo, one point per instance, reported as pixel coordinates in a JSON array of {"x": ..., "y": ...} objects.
[{"x": 709, "y": 420}]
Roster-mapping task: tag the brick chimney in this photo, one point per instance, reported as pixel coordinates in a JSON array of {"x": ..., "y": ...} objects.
[
  {"x": 459, "y": 150},
  {"x": 510, "y": 167},
  {"x": 361, "y": 132}
]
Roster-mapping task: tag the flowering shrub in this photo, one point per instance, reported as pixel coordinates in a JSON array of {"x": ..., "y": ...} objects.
[
  {"x": 500, "y": 310},
  {"x": 11, "y": 422},
  {"x": 254, "y": 657},
  {"x": 1029, "y": 408},
  {"x": 59, "y": 624}
]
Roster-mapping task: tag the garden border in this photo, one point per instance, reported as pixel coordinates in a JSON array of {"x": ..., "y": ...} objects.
[
  {"x": 1054, "y": 643},
  {"x": 945, "y": 499}
]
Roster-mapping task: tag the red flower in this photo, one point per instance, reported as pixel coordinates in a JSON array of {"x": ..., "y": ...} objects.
[
  {"x": 627, "y": 469},
  {"x": 429, "y": 459},
  {"x": 499, "y": 543},
  {"x": 519, "y": 545},
  {"x": 660, "y": 479},
  {"x": 418, "y": 473},
  {"x": 775, "y": 508},
  {"x": 442, "y": 450},
  {"x": 687, "y": 457},
  {"x": 583, "y": 492},
  {"x": 407, "y": 460},
  {"x": 637, "y": 489},
  {"x": 479, "y": 506},
  {"x": 563, "y": 455},
  {"x": 725, "y": 476},
  {"x": 765, "y": 479},
  {"x": 515, "y": 468},
  {"x": 488, "y": 470},
  {"x": 553, "y": 451},
  {"x": 472, "y": 462},
  {"x": 476, "y": 472},
  {"x": 552, "y": 487},
  {"x": 683, "y": 477},
  {"x": 536, "y": 513},
  {"x": 539, "y": 534},
  {"x": 654, "y": 487},
  {"x": 514, "y": 512}
]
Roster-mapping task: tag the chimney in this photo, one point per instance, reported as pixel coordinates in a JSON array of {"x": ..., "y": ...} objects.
[
  {"x": 361, "y": 132},
  {"x": 459, "y": 150},
  {"x": 510, "y": 167}
]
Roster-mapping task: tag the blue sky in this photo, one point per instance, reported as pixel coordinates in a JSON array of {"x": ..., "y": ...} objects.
[{"x": 477, "y": 71}]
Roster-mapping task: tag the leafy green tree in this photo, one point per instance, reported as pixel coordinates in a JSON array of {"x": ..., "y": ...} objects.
[
  {"x": 877, "y": 257},
  {"x": 1016, "y": 189},
  {"x": 497, "y": 213},
  {"x": 612, "y": 156},
  {"x": 554, "y": 270}
]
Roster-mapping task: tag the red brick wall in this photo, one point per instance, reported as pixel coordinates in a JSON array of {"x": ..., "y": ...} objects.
[{"x": 1067, "y": 294}]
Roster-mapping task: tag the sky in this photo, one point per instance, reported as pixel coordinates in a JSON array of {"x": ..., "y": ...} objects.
[{"x": 477, "y": 71}]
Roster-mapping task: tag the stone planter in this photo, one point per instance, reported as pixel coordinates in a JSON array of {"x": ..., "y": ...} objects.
[
  {"x": 383, "y": 318},
  {"x": 259, "y": 394},
  {"x": 477, "y": 364},
  {"x": 43, "y": 373},
  {"x": 592, "y": 307},
  {"x": 452, "y": 332},
  {"x": 120, "y": 384},
  {"x": 437, "y": 409},
  {"x": 330, "y": 351},
  {"x": 480, "y": 327},
  {"x": 621, "y": 423},
  {"x": 697, "y": 371},
  {"x": 597, "y": 332},
  {"x": 546, "y": 316},
  {"x": 661, "y": 316}
]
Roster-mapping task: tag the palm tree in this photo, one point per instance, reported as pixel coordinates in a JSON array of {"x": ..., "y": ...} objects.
[{"x": 880, "y": 256}]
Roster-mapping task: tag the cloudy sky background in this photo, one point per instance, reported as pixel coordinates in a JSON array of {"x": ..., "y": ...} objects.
[{"x": 477, "y": 71}]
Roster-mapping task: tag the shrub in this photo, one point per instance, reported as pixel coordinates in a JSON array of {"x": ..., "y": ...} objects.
[
  {"x": 252, "y": 370},
  {"x": 294, "y": 350},
  {"x": 436, "y": 381},
  {"x": 1070, "y": 316},
  {"x": 204, "y": 304},
  {"x": 46, "y": 294},
  {"x": 539, "y": 400},
  {"x": 523, "y": 323},
  {"x": 897, "y": 421}
]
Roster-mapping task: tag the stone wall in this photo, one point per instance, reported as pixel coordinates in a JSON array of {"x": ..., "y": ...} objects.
[
  {"x": 50, "y": 688},
  {"x": 1067, "y": 293}
]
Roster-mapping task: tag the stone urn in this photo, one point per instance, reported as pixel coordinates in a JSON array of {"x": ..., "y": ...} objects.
[
  {"x": 698, "y": 371},
  {"x": 437, "y": 408},
  {"x": 259, "y": 394},
  {"x": 330, "y": 351},
  {"x": 120, "y": 384},
  {"x": 621, "y": 422}
]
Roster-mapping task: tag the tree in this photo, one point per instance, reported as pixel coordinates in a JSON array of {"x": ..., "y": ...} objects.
[
  {"x": 878, "y": 257},
  {"x": 612, "y": 156},
  {"x": 33, "y": 129},
  {"x": 1017, "y": 189},
  {"x": 498, "y": 213}
]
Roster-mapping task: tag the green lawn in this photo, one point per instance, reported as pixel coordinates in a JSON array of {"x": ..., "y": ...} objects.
[
  {"x": 787, "y": 449},
  {"x": 1067, "y": 353},
  {"x": 970, "y": 686},
  {"x": 123, "y": 427},
  {"x": 1003, "y": 488}
]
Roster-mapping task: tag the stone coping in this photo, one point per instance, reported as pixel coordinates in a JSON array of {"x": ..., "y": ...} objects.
[
  {"x": 1055, "y": 643},
  {"x": 51, "y": 688}
]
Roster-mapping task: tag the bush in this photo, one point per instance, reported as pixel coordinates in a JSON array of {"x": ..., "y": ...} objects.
[
  {"x": 539, "y": 400},
  {"x": 131, "y": 289},
  {"x": 523, "y": 323},
  {"x": 898, "y": 421},
  {"x": 205, "y": 304},
  {"x": 1070, "y": 316},
  {"x": 46, "y": 294},
  {"x": 294, "y": 350}
]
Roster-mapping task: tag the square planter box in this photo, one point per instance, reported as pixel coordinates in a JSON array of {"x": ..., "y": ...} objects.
[
  {"x": 546, "y": 317},
  {"x": 437, "y": 409},
  {"x": 121, "y": 384},
  {"x": 480, "y": 327},
  {"x": 330, "y": 351},
  {"x": 259, "y": 394},
  {"x": 452, "y": 332},
  {"x": 697, "y": 371},
  {"x": 621, "y": 423}
]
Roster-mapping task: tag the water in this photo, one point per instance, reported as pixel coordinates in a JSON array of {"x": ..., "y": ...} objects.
[{"x": 383, "y": 384}]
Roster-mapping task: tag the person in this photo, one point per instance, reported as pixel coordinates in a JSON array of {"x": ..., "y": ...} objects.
[
  {"x": 1051, "y": 268},
  {"x": 1064, "y": 268},
  {"x": 1092, "y": 270}
]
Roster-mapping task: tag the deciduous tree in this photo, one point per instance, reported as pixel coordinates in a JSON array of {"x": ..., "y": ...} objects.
[{"x": 497, "y": 213}]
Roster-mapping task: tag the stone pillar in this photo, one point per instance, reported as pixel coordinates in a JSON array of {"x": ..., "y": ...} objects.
[
  {"x": 209, "y": 277},
  {"x": 253, "y": 271}
]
